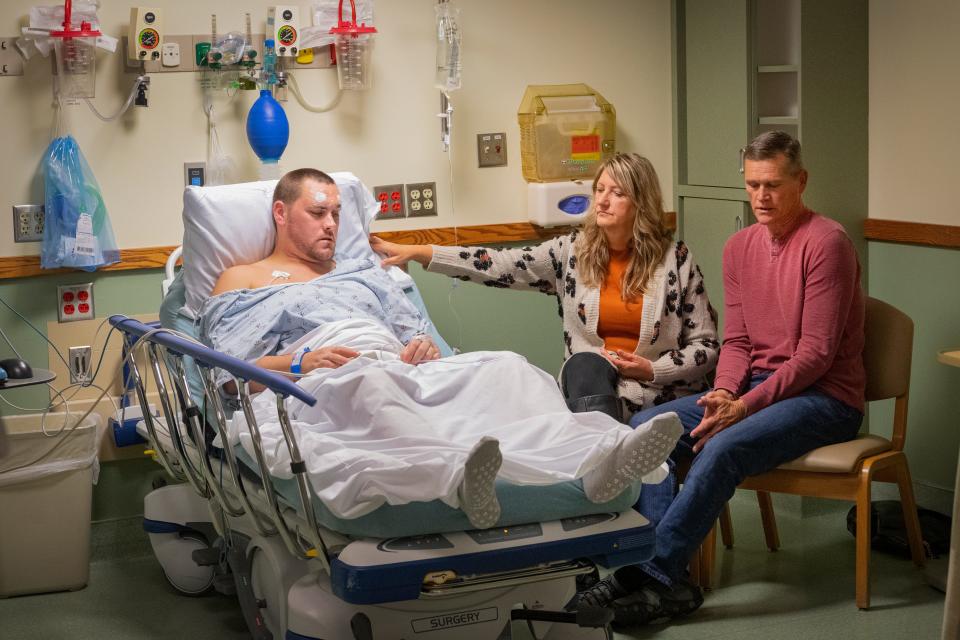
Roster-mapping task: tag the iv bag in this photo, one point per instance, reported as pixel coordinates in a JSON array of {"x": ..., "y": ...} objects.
[{"x": 448, "y": 78}]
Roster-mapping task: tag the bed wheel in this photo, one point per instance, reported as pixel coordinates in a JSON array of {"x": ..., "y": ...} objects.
[{"x": 190, "y": 579}]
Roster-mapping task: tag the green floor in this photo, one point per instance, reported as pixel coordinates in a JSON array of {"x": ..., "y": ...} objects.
[{"x": 803, "y": 591}]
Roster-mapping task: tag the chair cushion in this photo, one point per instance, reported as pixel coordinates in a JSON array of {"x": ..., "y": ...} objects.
[{"x": 839, "y": 458}]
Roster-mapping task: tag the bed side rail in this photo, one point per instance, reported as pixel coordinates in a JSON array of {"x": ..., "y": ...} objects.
[
  {"x": 210, "y": 358},
  {"x": 162, "y": 343}
]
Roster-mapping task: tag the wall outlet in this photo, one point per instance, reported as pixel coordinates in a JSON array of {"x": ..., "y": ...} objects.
[
  {"x": 170, "y": 54},
  {"x": 178, "y": 49},
  {"x": 79, "y": 360},
  {"x": 491, "y": 149},
  {"x": 28, "y": 221},
  {"x": 421, "y": 199},
  {"x": 390, "y": 197},
  {"x": 75, "y": 302}
]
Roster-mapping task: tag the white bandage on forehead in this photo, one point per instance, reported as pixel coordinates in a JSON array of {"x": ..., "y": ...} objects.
[{"x": 319, "y": 196}]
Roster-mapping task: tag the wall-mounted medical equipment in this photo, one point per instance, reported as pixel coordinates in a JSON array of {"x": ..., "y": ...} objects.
[
  {"x": 268, "y": 73},
  {"x": 268, "y": 132},
  {"x": 283, "y": 27},
  {"x": 37, "y": 36},
  {"x": 566, "y": 131},
  {"x": 146, "y": 34},
  {"x": 550, "y": 204},
  {"x": 353, "y": 44},
  {"x": 75, "y": 50}
]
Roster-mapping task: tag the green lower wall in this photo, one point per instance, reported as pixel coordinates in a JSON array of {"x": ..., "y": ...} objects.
[
  {"x": 922, "y": 282},
  {"x": 36, "y": 298},
  {"x": 493, "y": 319}
]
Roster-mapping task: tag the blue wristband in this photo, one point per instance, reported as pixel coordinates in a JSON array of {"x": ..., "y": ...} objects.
[{"x": 297, "y": 359}]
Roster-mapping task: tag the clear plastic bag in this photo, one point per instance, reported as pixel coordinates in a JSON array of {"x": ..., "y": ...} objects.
[
  {"x": 77, "y": 232},
  {"x": 447, "y": 78},
  {"x": 326, "y": 14}
]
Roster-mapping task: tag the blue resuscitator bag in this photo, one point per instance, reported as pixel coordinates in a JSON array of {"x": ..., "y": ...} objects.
[{"x": 77, "y": 231}]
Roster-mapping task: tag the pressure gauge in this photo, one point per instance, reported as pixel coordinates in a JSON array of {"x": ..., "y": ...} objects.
[
  {"x": 149, "y": 39},
  {"x": 146, "y": 34},
  {"x": 283, "y": 26}
]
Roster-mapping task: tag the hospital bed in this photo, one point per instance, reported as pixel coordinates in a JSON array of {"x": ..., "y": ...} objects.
[{"x": 299, "y": 572}]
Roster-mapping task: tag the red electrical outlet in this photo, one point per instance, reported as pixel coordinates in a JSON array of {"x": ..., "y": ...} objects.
[
  {"x": 391, "y": 201},
  {"x": 75, "y": 302}
]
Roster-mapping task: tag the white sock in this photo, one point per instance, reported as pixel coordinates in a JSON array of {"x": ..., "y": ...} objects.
[
  {"x": 637, "y": 455},
  {"x": 478, "y": 495}
]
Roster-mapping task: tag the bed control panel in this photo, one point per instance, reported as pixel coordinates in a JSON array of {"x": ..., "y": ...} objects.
[
  {"x": 581, "y": 522},
  {"x": 504, "y": 534},
  {"x": 416, "y": 543}
]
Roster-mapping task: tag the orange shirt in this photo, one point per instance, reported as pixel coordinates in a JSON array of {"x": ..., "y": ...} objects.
[{"x": 619, "y": 321}]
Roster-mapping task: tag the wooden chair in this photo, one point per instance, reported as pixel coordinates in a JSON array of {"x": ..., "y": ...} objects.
[{"x": 846, "y": 471}]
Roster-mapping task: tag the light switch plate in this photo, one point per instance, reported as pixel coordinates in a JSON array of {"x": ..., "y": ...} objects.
[{"x": 491, "y": 149}]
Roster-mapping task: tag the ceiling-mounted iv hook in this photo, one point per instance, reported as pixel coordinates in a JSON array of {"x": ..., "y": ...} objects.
[{"x": 446, "y": 120}]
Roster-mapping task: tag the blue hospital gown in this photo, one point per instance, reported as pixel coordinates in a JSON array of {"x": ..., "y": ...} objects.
[{"x": 251, "y": 323}]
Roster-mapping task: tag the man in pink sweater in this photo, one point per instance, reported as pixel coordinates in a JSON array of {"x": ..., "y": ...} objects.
[{"x": 790, "y": 376}]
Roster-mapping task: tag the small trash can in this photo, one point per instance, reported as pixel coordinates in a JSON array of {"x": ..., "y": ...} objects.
[{"x": 45, "y": 506}]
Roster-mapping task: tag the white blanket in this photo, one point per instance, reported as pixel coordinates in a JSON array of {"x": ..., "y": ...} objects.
[{"x": 383, "y": 431}]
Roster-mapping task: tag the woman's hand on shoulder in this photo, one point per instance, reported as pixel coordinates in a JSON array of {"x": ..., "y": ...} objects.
[
  {"x": 630, "y": 365},
  {"x": 398, "y": 255}
]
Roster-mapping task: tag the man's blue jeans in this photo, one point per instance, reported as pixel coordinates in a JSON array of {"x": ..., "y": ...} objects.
[{"x": 770, "y": 437}]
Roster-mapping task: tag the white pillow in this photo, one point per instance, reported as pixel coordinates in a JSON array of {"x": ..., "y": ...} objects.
[{"x": 232, "y": 224}]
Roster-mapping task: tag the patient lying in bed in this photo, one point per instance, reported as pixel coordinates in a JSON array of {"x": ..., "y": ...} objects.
[{"x": 393, "y": 424}]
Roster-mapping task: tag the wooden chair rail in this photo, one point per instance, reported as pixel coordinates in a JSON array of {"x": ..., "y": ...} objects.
[
  {"x": 931, "y": 235},
  {"x": 156, "y": 257}
]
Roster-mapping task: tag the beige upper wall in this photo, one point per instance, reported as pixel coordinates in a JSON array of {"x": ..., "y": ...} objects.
[
  {"x": 387, "y": 135},
  {"x": 914, "y": 98}
]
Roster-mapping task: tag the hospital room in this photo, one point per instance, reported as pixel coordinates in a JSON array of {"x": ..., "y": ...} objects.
[{"x": 540, "y": 320}]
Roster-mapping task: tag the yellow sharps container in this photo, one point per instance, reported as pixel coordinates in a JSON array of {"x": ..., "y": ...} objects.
[{"x": 566, "y": 131}]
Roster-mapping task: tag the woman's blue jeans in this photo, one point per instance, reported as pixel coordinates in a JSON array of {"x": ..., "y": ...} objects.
[{"x": 770, "y": 437}]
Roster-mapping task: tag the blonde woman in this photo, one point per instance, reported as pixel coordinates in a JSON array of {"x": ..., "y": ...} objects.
[{"x": 638, "y": 329}]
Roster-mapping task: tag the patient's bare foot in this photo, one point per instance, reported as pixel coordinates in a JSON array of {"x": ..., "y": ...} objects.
[
  {"x": 478, "y": 496},
  {"x": 637, "y": 455}
]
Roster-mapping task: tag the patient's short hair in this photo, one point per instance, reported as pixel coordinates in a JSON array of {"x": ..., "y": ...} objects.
[
  {"x": 771, "y": 144},
  {"x": 290, "y": 185}
]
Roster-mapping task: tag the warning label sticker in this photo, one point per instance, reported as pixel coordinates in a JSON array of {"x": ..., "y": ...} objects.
[{"x": 585, "y": 147}]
